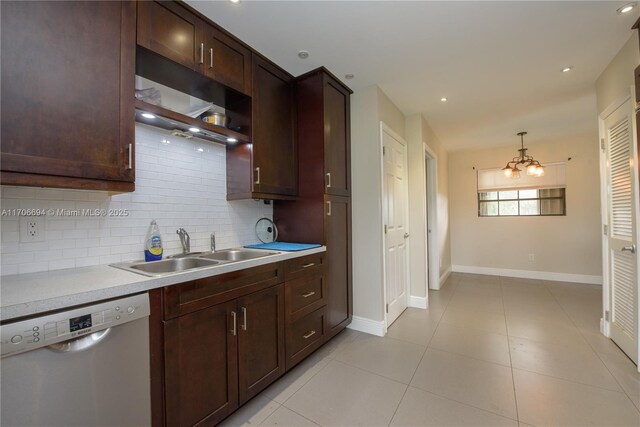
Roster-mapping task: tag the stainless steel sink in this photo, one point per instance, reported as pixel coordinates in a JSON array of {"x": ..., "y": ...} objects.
[
  {"x": 191, "y": 261},
  {"x": 167, "y": 266},
  {"x": 231, "y": 255}
]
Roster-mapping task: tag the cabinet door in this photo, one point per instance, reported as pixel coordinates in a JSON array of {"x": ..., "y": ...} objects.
[
  {"x": 171, "y": 31},
  {"x": 336, "y": 138},
  {"x": 338, "y": 273},
  {"x": 275, "y": 169},
  {"x": 68, "y": 72},
  {"x": 260, "y": 340},
  {"x": 226, "y": 60},
  {"x": 201, "y": 370}
]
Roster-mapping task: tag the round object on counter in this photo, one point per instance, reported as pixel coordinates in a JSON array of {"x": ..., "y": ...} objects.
[{"x": 266, "y": 230}]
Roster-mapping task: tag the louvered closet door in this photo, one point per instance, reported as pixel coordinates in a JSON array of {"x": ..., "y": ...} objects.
[{"x": 623, "y": 265}]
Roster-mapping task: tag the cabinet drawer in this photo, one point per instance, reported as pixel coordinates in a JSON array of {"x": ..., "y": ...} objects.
[
  {"x": 198, "y": 294},
  {"x": 304, "y": 336},
  {"x": 304, "y": 295},
  {"x": 304, "y": 266}
]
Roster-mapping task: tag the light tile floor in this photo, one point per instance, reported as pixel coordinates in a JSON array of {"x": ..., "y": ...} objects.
[{"x": 489, "y": 351}]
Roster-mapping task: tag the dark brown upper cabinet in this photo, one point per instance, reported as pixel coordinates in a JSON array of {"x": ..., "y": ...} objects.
[
  {"x": 336, "y": 137},
  {"x": 68, "y": 72},
  {"x": 226, "y": 60},
  {"x": 268, "y": 168},
  {"x": 171, "y": 31},
  {"x": 176, "y": 33}
]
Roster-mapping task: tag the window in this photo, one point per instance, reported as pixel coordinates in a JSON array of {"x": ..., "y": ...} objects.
[{"x": 536, "y": 202}]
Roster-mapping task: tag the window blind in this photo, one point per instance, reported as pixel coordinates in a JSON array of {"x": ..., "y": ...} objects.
[{"x": 494, "y": 179}]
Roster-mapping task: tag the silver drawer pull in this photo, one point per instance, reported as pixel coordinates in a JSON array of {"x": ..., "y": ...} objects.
[
  {"x": 309, "y": 334},
  {"x": 311, "y": 264},
  {"x": 234, "y": 330},
  {"x": 202, "y": 53},
  {"x": 312, "y": 293}
]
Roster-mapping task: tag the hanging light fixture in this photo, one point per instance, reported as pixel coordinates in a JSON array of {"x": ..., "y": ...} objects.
[{"x": 532, "y": 166}]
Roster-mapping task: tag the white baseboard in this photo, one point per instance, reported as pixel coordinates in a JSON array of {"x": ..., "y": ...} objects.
[
  {"x": 418, "y": 302},
  {"x": 368, "y": 326},
  {"x": 444, "y": 276},
  {"x": 526, "y": 274}
]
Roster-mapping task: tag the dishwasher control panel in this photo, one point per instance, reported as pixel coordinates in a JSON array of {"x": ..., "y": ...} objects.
[{"x": 42, "y": 331}]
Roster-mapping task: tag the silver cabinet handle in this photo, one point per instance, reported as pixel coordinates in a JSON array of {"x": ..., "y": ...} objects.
[
  {"x": 234, "y": 316},
  {"x": 329, "y": 208},
  {"x": 130, "y": 157},
  {"x": 328, "y": 175},
  {"x": 244, "y": 318},
  {"x": 309, "y": 294},
  {"x": 309, "y": 334},
  {"x": 202, "y": 53},
  {"x": 311, "y": 264},
  {"x": 210, "y": 57},
  {"x": 257, "y": 181},
  {"x": 631, "y": 249}
]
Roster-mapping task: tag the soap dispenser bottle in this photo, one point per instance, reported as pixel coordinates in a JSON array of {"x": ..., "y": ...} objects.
[{"x": 153, "y": 243}]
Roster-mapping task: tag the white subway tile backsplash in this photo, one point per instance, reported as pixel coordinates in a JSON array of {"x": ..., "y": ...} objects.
[{"x": 175, "y": 184}]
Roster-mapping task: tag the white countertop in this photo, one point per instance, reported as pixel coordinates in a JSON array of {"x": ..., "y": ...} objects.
[{"x": 29, "y": 294}]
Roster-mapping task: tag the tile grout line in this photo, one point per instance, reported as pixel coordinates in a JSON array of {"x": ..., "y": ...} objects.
[
  {"x": 422, "y": 357},
  {"x": 513, "y": 377},
  {"x": 593, "y": 349}
]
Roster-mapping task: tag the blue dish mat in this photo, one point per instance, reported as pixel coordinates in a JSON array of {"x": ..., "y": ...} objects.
[{"x": 284, "y": 246}]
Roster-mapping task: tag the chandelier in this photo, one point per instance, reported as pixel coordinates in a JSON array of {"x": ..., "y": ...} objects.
[{"x": 532, "y": 166}]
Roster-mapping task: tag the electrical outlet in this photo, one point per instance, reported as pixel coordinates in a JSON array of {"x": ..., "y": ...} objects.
[
  {"x": 31, "y": 229},
  {"x": 532, "y": 257}
]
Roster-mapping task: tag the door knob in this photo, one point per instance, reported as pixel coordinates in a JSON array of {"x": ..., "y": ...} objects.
[
  {"x": 631, "y": 249},
  {"x": 406, "y": 235}
]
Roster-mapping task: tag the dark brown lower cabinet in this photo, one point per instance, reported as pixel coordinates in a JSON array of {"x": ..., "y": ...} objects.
[
  {"x": 260, "y": 340},
  {"x": 215, "y": 344},
  {"x": 201, "y": 366},
  {"x": 337, "y": 230}
]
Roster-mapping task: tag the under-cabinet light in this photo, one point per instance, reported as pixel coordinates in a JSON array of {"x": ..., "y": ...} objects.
[{"x": 148, "y": 116}]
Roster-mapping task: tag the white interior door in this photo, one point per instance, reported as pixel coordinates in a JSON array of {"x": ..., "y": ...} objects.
[
  {"x": 395, "y": 218},
  {"x": 622, "y": 234}
]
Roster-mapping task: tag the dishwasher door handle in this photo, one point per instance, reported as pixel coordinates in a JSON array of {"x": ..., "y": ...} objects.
[{"x": 79, "y": 344}]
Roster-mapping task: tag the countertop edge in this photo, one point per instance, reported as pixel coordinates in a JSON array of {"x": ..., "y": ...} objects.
[{"x": 137, "y": 284}]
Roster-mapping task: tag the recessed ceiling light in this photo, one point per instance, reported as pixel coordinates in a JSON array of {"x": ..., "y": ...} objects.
[
  {"x": 567, "y": 69},
  {"x": 200, "y": 150},
  {"x": 194, "y": 130},
  {"x": 232, "y": 140},
  {"x": 444, "y": 99},
  {"x": 148, "y": 115},
  {"x": 303, "y": 54},
  {"x": 166, "y": 141},
  {"x": 235, "y": 1},
  {"x": 349, "y": 76},
  {"x": 626, "y": 8}
]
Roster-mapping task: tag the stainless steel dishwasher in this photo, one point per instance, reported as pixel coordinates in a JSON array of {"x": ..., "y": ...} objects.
[{"x": 86, "y": 366}]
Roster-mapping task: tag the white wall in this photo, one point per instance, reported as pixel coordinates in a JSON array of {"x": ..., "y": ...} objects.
[
  {"x": 175, "y": 184},
  {"x": 618, "y": 76},
  {"x": 568, "y": 244},
  {"x": 369, "y": 107},
  {"x": 418, "y": 132}
]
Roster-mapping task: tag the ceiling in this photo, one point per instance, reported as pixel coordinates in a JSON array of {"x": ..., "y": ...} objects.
[{"x": 498, "y": 63}]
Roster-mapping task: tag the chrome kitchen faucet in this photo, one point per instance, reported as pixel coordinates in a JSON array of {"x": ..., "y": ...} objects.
[{"x": 185, "y": 240}]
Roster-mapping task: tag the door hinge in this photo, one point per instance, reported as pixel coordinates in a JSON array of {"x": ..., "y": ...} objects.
[
  {"x": 606, "y": 315},
  {"x": 605, "y": 229},
  {"x": 385, "y": 229},
  {"x": 602, "y": 143},
  {"x": 387, "y": 307},
  {"x": 384, "y": 150}
]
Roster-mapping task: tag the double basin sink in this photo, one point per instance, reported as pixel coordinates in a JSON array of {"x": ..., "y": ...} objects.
[{"x": 191, "y": 261}]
